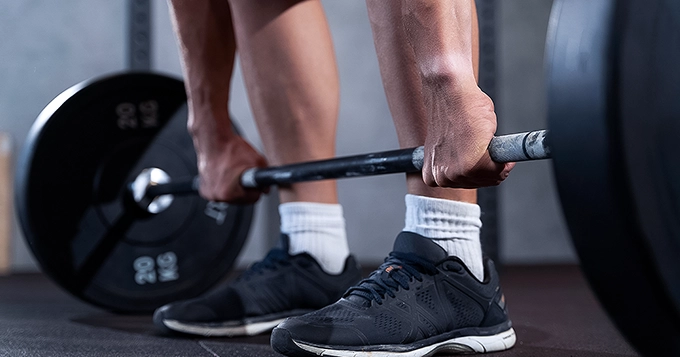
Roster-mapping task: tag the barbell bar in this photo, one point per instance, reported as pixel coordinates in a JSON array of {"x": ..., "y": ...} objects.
[{"x": 525, "y": 146}]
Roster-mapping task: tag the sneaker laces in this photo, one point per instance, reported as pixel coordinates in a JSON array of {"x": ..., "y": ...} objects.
[
  {"x": 274, "y": 259},
  {"x": 398, "y": 270}
]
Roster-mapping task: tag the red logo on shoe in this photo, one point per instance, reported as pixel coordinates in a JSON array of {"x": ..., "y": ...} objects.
[{"x": 392, "y": 267}]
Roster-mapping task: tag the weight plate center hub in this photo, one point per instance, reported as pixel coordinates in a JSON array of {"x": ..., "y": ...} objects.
[{"x": 147, "y": 178}]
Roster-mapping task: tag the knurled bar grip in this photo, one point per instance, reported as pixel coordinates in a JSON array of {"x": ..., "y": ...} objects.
[
  {"x": 507, "y": 148},
  {"x": 532, "y": 145}
]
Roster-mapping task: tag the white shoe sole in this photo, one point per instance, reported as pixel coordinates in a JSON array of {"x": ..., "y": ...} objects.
[
  {"x": 229, "y": 331},
  {"x": 467, "y": 344}
]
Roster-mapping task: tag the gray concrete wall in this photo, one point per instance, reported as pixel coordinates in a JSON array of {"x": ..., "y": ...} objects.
[{"x": 48, "y": 46}]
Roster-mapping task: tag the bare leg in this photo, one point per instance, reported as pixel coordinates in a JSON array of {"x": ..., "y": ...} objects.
[
  {"x": 292, "y": 81},
  {"x": 290, "y": 73},
  {"x": 430, "y": 85},
  {"x": 292, "y": 84}
]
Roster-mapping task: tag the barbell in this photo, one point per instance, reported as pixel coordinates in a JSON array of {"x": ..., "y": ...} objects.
[
  {"x": 153, "y": 190},
  {"x": 110, "y": 214}
]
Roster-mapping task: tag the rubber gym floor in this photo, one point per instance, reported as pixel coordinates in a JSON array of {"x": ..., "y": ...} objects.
[{"x": 553, "y": 311}]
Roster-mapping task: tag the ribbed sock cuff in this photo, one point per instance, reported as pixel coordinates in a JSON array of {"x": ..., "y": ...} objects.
[
  {"x": 317, "y": 229},
  {"x": 453, "y": 225},
  {"x": 440, "y": 218}
]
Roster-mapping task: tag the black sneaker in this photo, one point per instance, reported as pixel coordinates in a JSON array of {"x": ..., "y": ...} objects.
[
  {"x": 279, "y": 286},
  {"x": 419, "y": 302}
]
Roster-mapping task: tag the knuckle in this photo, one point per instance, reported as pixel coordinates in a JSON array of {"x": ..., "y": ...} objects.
[
  {"x": 429, "y": 179},
  {"x": 445, "y": 178}
]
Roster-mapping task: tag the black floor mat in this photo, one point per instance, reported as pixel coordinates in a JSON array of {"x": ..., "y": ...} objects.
[{"x": 553, "y": 312}]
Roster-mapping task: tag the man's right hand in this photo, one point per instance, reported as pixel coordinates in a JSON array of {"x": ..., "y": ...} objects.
[{"x": 221, "y": 161}]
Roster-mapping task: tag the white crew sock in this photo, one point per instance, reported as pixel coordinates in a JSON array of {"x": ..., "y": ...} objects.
[
  {"x": 317, "y": 229},
  {"x": 453, "y": 225}
]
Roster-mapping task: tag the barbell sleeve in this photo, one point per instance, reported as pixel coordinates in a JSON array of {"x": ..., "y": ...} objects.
[{"x": 173, "y": 188}]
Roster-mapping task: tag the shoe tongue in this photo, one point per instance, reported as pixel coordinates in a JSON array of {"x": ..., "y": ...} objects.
[
  {"x": 408, "y": 242},
  {"x": 284, "y": 242}
]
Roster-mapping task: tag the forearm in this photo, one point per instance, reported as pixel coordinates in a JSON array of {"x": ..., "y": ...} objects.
[
  {"x": 441, "y": 35},
  {"x": 207, "y": 49},
  {"x": 424, "y": 48}
]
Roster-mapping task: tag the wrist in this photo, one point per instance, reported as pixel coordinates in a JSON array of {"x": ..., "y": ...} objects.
[
  {"x": 212, "y": 137},
  {"x": 210, "y": 125},
  {"x": 450, "y": 73}
]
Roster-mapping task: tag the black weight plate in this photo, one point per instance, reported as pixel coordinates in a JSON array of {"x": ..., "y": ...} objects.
[
  {"x": 72, "y": 199},
  {"x": 613, "y": 110},
  {"x": 649, "y": 102}
]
